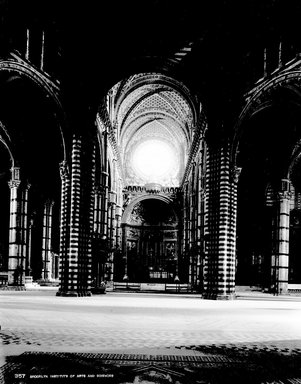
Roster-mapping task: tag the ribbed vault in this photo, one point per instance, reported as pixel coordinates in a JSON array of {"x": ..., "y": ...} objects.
[{"x": 154, "y": 114}]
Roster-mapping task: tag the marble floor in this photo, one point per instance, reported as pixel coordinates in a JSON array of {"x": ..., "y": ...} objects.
[{"x": 147, "y": 324}]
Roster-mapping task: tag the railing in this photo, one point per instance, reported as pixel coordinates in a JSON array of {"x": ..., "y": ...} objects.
[
  {"x": 3, "y": 278},
  {"x": 152, "y": 287},
  {"x": 178, "y": 288},
  {"x": 126, "y": 286},
  {"x": 143, "y": 189},
  {"x": 294, "y": 288}
]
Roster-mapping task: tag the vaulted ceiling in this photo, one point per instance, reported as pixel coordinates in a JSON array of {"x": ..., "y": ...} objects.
[
  {"x": 214, "y": 47},
  {"x": 153, "y": 108}
]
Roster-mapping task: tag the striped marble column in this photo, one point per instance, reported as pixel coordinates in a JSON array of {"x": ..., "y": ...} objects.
[
  {"x": 88, "y": 211},
  {"x": 18, "y": 229},
  {"x": 75, "y": 219},
  {"x": 186, "y": 232},
  {"x": 219, "y": 273},
  {"x": 29, "y": 246},
  {"x": 105, "y": 203},
  {"x": 97, "y": 210},
  {"x": 124, "y": 251},
  {"x": 210, "y": 289},
  {"x": 25, "y": 224},
  {"x": 233, "y": 226},
  {"x": 118, "y": 226},
  {"x": 64, "y": 227},
  {"x": 281, "y": 260},
  {"x": 192, "y": 228},
  {"x": 224, "y": 236},
  {"x": 46, "y": 241},
  {"x": 113, "y": 218},
  {"x": 109, "y": 222},
  {"x": 105, "y": 185},
  {"x": 14, "y": 257},
  {"x": 76, "y": 274},
  {"x": 200, "y": 225}
]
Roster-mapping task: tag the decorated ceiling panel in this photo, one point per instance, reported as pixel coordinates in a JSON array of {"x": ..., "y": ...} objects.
[
  {"x": 164, "y": 124},
  {"x": 153, "y": 115}
]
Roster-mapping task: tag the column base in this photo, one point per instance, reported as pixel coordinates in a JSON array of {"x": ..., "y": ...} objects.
[
  {"x": 73, "y": 293},
  {"x": 48, "y": 283},
  {"x": 11, "y": 287},
  {"x": 98, "y": 290},
  {"x": 215, "y": 296},
  {"x": 281, "y": 289},
  {"x": 109, "y": 286}
]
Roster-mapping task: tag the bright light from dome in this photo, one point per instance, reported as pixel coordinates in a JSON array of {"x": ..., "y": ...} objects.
[{"x": 154, "y": 159}]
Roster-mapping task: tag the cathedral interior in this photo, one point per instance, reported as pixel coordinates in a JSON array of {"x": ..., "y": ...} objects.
[{"x": 150, "y": 147}]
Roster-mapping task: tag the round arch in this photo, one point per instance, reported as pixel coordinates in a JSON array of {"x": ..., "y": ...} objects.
[
  {"x": 129, "y": 208},
  {"x": 296, "y": 156},
  {"x": 261, "y": 99},
  {"x": 5, "y": 140},
  {"x": 45, "y": 85}
]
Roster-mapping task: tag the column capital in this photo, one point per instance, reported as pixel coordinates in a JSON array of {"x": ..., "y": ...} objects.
[
  {"x": 14, "y": 184},
  {"x": 49, "y": 203},
  {"x": 112, "y": 197},
  {"x": 235, "y": 173},
  {"x": 15, "y": 173},
  {"x": 202, "y": 193},
  {"x": 284, "y": 195},
  {"x": 64, "y": 170},
  {"x": 101, "y": 124},
  {"x": 99, "y": 190},
  {"x": 285, "y": 185}
]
